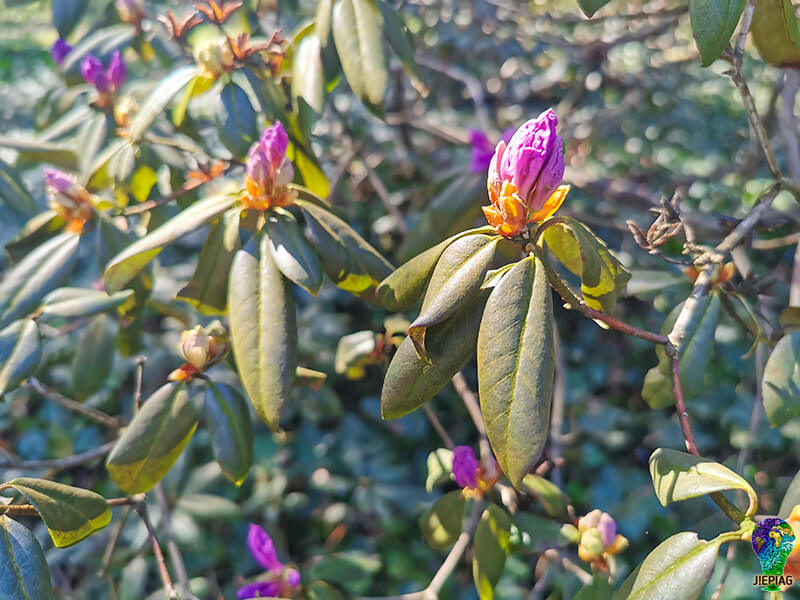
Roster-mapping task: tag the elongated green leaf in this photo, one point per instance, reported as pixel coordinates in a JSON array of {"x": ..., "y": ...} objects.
[
  {"x": 516, "y": 364},
  {"x": 66, "y": 14},
  {"x": 35, "y": 152},
  {"x": 354, "y": 351},
  {"x": 350, "y": 262},
  {"x": 603, "y": 277},
  {"x": 679, "y": 567},
  {"x": 209, "y": 507},
  {"x": 548, "y": 493},
  {"x": 440, "y": 464},
  {"x": 228, "y": 421},
  {"x": 458, "y": 276},
  {"x": 541, "y": 533},
  {"x": 35, "y": 232},
  {"x": 296, "y": 259},
  {"x": 94, "y": 359},
  {"x": 41, "y": 271},
  {"x": 441, "y": 523},
  {"x": 399, "y": 39},
  {"x": 791, "y": 498},
  {"x": 24, "y": 574},
  {"x": 308, "y": 76},
  {"x": 780, "y": 386},
  {"x": 357, "y": 33},
  {"x": 713, "y": 23},
  {"x": 695, "y": 351},
  {"x": 263, "y": 329},
  {"x": 237, "y": 123},
  {"x": 776, "y": 33},
  {"x": 128, "y": 263},
  {"x": 13, "y": 193},
  {"x": 82, "y": 302},
  {"x": 152, "y": 442},
  {"x": 110, "y": 242},
  {"x": 159, "y": 99},
  {"x": 20, "y": 352},
  {"x": 70, "y": 513},
  {"x": 589, "y": 7},
  {"x": 401, "y": 290},
  {"x": 208, "y": 288},
  {"x": 322, "y": 21},
  {"x": 411, "y": 381},
  {"x": 490, "y": 550},
  {"x": 678, "y": 476}
]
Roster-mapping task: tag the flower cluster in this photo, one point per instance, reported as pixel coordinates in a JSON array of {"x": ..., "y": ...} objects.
[
  {"x": 281, "y": 580},
  {"x": 201, "y": 349},
  {"x": 69, "y": 199},
  {"x": 269, "y": 171},
  {"x": 525, "y": 176},
  {"x": 476, "y": 478},
  {"x": 107, "y": 81},
  {"x": 599, "y": 539}
]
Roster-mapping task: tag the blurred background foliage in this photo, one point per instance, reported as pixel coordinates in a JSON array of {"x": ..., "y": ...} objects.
[{"x": 641, "y": 119}]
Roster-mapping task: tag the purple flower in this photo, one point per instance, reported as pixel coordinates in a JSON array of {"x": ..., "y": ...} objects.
[
  {"x": 293, "y": 577},
  {"x": 259, "y": 589},
  {"x": 465, "y": 467},
  {"x": 483, "y": 149},
  {"x": 269, "y": 170},
  {"x": 274, "y": 143},
  {"x": 60, "y": 50},
  {"x": 105, "y": 80},
  {"x": 263, "y": 549},
  {"x": 533, "y": 160},
  {"x": 60, "y": 182},
  {"x": 608, "y": 529}
]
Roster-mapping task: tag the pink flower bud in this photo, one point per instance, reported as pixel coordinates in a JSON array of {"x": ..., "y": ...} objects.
[
  {"x": 274, "y": 143},
  {"x": 608, "y": 529},
  {"x": 60, "y": 182},
  {"x": 465, "y": 467},
  {"x": 293, "y": 577},
  {"x": 269, "y": 170},
  {"x": 263, "y": 549},
  {"x": 93, "y": 72},
  {"x": 117, "y": 71}
]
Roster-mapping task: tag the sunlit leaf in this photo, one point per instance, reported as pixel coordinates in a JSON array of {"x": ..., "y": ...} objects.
[
  {"x": 713, "y": 23},
  {"x": 295, "y": 257},
  {"x": 490, "y": 549},
  {"x": 780, "y": 386},
  {"x": 20, "y": 352},
  {"x": 82, "y": 302},
  {"x": 441, "y": 523}
]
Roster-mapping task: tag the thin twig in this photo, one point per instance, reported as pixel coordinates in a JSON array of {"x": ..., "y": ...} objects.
[
  {"x": 112, "y": 543},
  {"x": 58, "y": 463},
  {"x": 386, "y": 199},
  {"x": 473, "y": 408},
  {"x": 569, "y": 565},
  {"x": 437, "y": 425},
  {"x": 92, "y": 413},
  {"x": 615, "y": 323},
  {"x": 775, "y": 243},
  {"x": 175, "y": 556},
  {"x": 163, "y": 571}
]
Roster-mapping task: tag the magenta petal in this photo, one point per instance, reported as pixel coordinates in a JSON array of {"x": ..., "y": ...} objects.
[
  {"x": 608, "y": 529},
  {"x": 495, "y": 181},
  {"x": 263, "y": 549},
  {"x": 93, "y": 72},
  {"x": 258, "y": 167},
  {"x": 58, "y": 180},
  {"x": 551, "y": 176},
  {"x": 529, "y": 150},
  {"x": 293, "y": 577},
  {"x": 465, "y": 467},
  {"x": 60, "y": 50},
  {"x": 274, "y": 143},
  {"x": 117, "y": 71},
  {"x": 259, "y": 589}
]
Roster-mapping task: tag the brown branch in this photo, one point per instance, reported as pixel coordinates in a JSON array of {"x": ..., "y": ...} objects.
[
  {"x": 112, "y": 543},
  {"x": 169, "y": 587},
  {"x": 386, "y": 199},
  {"x": 437, "y": 425},
  {"x": 92, "y": 413},
  {"x": 473, "y": 408},
  {"x": 615, "y": 323}
]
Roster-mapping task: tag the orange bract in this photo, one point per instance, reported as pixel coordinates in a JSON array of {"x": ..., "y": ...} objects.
[{"x": 217, "y": 13}]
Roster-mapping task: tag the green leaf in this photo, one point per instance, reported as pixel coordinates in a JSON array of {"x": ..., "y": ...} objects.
[
  {"x": 679, "y": 567},
  {"x": 322, "y": 21},
  {"x": 357, "y": 33},
  {"x": 541, "y": 533},
  {"x": 208, "y": 507},
  {"x": 13, "y": 192},
  {"x": 352, "y": 570},
  {"x": 20, "y": 352},
  {"x": 780, "y": 386},
  {"x": 24, "y": 575},
  {"x": 440, "y": 465},
  {"x": 354, "y": 351},
  {"x": 349, "y": 261},
  {"x": 516, "y": 365},
  {"x": 695, "y": 351},
  {"x": 26, "y": 283},
  {"x": 603, "y": 277},
  {"x": 36, "y": 152},
  {"x": 82, "y": 302},
  {"x": 66, "y": 14},
  {"x": 153, "y": 440},
  {"x": 441, "y": 523},
  {"x": 791, "y": 498},
  {"x": 35, "y": 232},
  {"x": 296, "y": 259},
  {"x": 128, "y": 263},
  {"x": 263, "y": 329},
  {"x": 308, "y": 76},
  {"x": 94, "y": 359},
  {"x": 320, "y": 590},
  {"x": 307, "y": 167},
  {"x": 548, "y": 493},
  {"x": 158, "y": 100},
  {"x": 110, "y": 242},
  {"x": 237, "y": 123},
  {"x": 589, "y": 7},
  {"x": 207, "y": 290},
  {"x": 776, "y": 33},
  {"x": 598, "y": 589},
  {"x": 410, "y": 381},
  {"x": 678, "y": 476},
  {"x": 457, "y": 278},
  {"x": 490, "y": 549},
  {"x": 228, "y": 420},
  {"x": 713, "y": 23},
  {"x": 399, "y": 39},
  {"x": 70, "y": 513}
]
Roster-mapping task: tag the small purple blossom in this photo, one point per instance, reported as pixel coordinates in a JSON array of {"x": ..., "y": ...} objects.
[
  {"x": 608, "y": 529},
  {"x": 105, "y": 80},
  {"x": 533, "y": 160},
  {"x": 263, "y": 550},
  {"x": 274, "y": 143},
  {"x": 60, "y": 50},
  {"x": 465, "y": 467},
  {"x": 59, "y": 182},
  {"x": 269, "y": 170}
]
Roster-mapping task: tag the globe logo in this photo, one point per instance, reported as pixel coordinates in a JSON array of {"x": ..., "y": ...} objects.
[{"x": 773, "y": 540}]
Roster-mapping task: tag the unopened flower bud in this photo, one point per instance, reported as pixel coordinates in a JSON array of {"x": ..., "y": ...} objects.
[
  {"x": 608, "y": 529},
  {"x": 591, "y": 545},
  {"x": 203, "y": 348},
  {"x": 589, "y": 520},
  {"x": 214, "y": 57},
  {"x": 465, "y": 467},
  {"x": 68, "y": 198},
  {"x": 269, "y": 170}
]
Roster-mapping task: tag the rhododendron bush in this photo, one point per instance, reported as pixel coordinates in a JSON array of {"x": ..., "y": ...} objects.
[{"x": 378, "y": 299}]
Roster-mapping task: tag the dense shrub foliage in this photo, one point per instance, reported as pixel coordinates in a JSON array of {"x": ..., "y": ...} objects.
[{"x": 375, "y": 299}]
